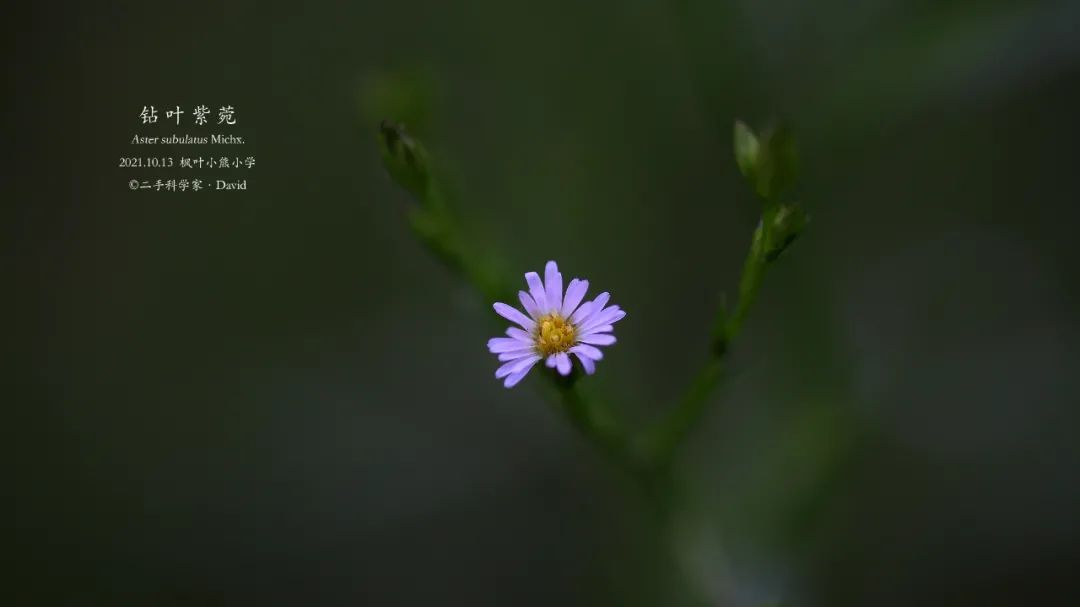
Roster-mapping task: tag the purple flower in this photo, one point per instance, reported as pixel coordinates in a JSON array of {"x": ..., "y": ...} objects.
[{"x": 557, "y": 325}]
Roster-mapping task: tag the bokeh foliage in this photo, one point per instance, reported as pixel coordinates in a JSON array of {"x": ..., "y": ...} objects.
[{"x": 280, "y": 396}]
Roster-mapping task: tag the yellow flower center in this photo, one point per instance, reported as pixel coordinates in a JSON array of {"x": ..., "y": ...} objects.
[{"x": 553, "y": 334}]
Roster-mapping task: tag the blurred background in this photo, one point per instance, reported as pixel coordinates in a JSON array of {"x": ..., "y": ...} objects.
[{"x": 278, "y": 397}]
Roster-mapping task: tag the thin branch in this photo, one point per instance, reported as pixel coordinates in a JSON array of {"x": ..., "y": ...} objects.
[
  {"x": 650, "y": 459},
  {"x": 664, "y": 439}
]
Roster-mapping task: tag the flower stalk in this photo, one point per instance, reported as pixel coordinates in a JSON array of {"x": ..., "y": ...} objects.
[
  {"x": 769, "y": 165},
  {"x": 431, "y": 217}
]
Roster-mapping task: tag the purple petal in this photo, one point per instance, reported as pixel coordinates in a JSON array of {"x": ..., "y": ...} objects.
[
  {"x": 536, "y": 288},
  {"x": 516, "y": 354},
  {"x": 583, "y": 312},
  {"x": 553, "y": 287},
  {"x": 597, "y": 329},
  {"x": 586, "y": 319},
  {"x": 514, "y": 315},
  {"x": 529, "y": 304},
  {"x": 586, "y": 363},
  {"x": 562, "y": 361},
  {"x": 504, "y": 344},
  {"x": 516, "y": 366},
  {"x": 575, "y": 292},
  {"x": 513, "y": 379},
  {"x": 550, "y": 362},
  {"x": 587, "y": 350},
  {"x": 520, "y": 335},
  {"x": 606, "y": 316},
  {"x": 598, "y": 339},
  {"x": 614, "y": 317}
]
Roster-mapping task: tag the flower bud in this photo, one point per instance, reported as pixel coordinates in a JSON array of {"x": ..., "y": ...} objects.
[
  {"x": 404, "y": 158},
  {"x": 746, "y": 150},
  {"x": 769, "y": 162},
  {"x": 782, "y": 225}
]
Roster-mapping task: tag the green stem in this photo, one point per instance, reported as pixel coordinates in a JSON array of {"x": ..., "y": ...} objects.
[
  {"x": 728, "y": 325},
  {"x": 648, "y": 462},
  {"x": 670, "y": 432},
  {"x": 434, "y": 224},
  {"x": 437, "y": 228},
  {"x": 595, "y": 423}
]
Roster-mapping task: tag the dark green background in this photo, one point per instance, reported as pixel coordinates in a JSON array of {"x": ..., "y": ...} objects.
[{"x": 277, "y": 397}]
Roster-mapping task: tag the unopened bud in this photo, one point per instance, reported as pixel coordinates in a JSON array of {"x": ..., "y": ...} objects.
[
  {"x": 746, "y": 150},
  {"x": 404, "y": 158},
  {"x": 769, "y": 162},
  {"x": 784, "y": 224}
]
